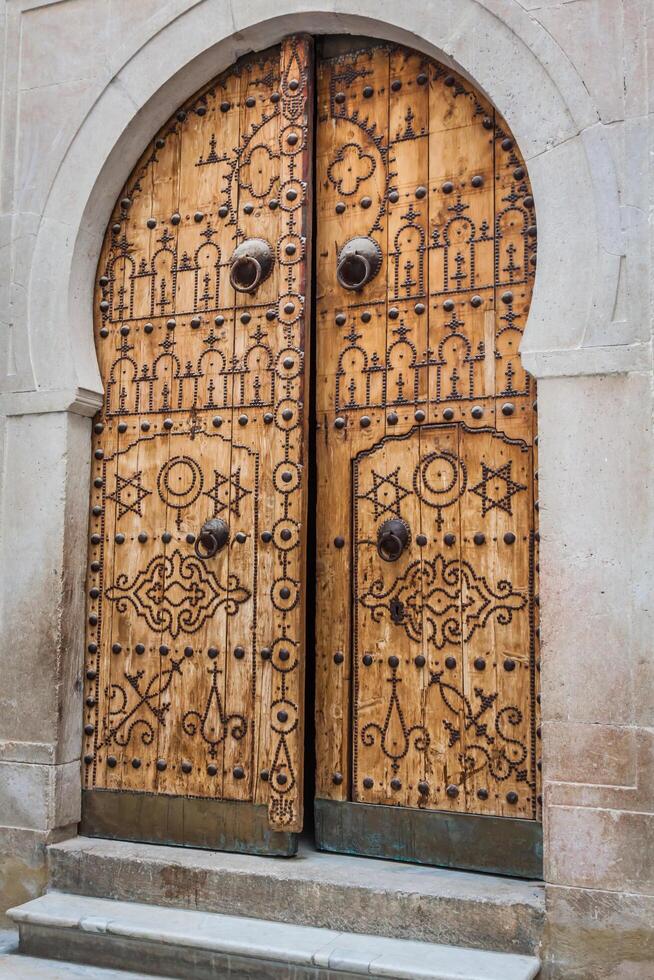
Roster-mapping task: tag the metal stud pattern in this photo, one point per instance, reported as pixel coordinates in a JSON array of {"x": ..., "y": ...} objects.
[
  {"x": 426, "y": 416},
  {"x": 203, "y": 419}
]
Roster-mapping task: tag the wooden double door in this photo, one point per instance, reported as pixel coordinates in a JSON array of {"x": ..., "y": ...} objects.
[{"x": 308, "y": 309}]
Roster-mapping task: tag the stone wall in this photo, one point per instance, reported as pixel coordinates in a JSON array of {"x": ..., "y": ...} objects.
[{"x": 85, "y": 84}]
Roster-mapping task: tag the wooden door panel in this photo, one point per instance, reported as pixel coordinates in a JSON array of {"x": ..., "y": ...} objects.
[
  {"x": 194, "y": 666},
  {"x": 427, "y": 667}
]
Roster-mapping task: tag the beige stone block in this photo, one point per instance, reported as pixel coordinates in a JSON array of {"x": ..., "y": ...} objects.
[
  {"x": 591, "y": 34},
  {"x": 604, "y": 755},
  {"x": 606, "y": 849},
  {"x": 89, "y": 149},
  {"x": 192, "y": 49},
  {"x": 635, "y": 61},
  {"x": 13, "y": 750},
  {"x": 55, "y": 114},
  {"x": 628, "y": 756},
  {"x": 596, "y": 531},
  {"x": 567, "y": 227},
  {"x": 597, "y": 935},
  {"x": 23, "y": 872},
  {"x": 333, "y": 891},
  {"x": 40, "y": 798},
  {"x": 45, "y": 521},
  {"x": 62, "y": 43},
  {"x": 628, "y": 321},
  {"x": 497, "y": 51},
  {"x": 25, "y": 793}
]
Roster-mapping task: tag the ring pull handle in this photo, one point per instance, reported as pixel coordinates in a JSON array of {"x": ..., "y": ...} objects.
[
  {"x": 250, "y": 264},
  {"x": 245, "y": 274},
  {"x": 358, "y": 262},
  {"x": 353, "y": 271},
  {"x": 392, "y": 538},
  {"x": 213, "y": 536}
]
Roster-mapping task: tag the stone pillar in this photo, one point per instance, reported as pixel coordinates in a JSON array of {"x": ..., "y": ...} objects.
[
  {"x": 43, "y": 527},
  {"x": 595, "y": 484}
]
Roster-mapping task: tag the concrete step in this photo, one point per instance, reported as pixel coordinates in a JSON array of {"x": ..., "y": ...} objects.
[
  {"x": 180, "y": 943},
  {"x": 14, "y": 964},
  {"x": 33, "y": 968},
  {"x": 334, "y": 891}
]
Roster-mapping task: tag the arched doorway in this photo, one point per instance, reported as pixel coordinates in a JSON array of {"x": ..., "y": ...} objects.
[{"x": 425, "y": 550}]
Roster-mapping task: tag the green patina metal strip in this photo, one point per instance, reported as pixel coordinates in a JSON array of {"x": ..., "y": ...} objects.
[
  {"x": 219, "y": 825},
  {"x": 499, "y": 845}
]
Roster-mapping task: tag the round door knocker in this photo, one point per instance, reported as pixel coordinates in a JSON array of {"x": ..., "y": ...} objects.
[
  {"x": 359, "y": 261},
  {"x": 213, "y": 536},
  {"x": 392, "y": 538},
  {"x": 250, "y": 264}
]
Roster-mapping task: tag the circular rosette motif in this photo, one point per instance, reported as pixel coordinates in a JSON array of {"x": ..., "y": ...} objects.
[
  {"x": 287, "y": 477},
  {"x": 439, "y": 479},
  {"x": 285, "y": 594},
  {"x": 180, "y": 482},
  {"x": 290, "y": 308},
  {"x": 292, "y": 140},
  {"x": 293, "y": 195},
  {"x": 284, "y": 656},
  {"x": 291, "y": 249},
  {"x": 284, "y": 717},
  {"x": 286, "y": 534},
  {"x": 289, "y": 363},
  {"x": 288, "y": 414}
]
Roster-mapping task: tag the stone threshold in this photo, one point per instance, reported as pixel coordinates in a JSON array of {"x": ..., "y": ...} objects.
[
  {"x": 180, "y": 943},
  {"x": 333, "y": 891}
]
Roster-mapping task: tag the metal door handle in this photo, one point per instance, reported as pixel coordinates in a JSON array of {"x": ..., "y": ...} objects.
[
  {"x": 250, "y": 264},
  {"x": 213, "y": 536},
  {"x": 392, "y": 538},
  {"x": 359, "y": 261}
]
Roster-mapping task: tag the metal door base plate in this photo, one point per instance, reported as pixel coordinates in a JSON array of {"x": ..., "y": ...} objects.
[
  {"x": 218, "y": 825},
  {"x": 499, "y": 845}
]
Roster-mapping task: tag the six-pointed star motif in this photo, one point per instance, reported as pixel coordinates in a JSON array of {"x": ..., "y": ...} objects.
[
  {"x": 128, "y": 494},
  {"x": 386, "y": 493},
  {"x": 227, "y": 492},
  {"x": 503, "y": 498}
]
